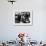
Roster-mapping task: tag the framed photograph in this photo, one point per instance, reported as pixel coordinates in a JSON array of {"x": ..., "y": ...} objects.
[{"x": 23, "y": 18}]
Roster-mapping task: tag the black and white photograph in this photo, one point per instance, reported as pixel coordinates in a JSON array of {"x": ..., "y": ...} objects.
[{"x": 23, "y": 18}]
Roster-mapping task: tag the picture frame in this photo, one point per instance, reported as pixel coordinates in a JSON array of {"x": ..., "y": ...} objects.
[{"x": 23, "y": 18}]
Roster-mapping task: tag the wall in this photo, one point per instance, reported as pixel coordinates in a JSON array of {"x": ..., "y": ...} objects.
[{"x": 9, "y": 31}]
